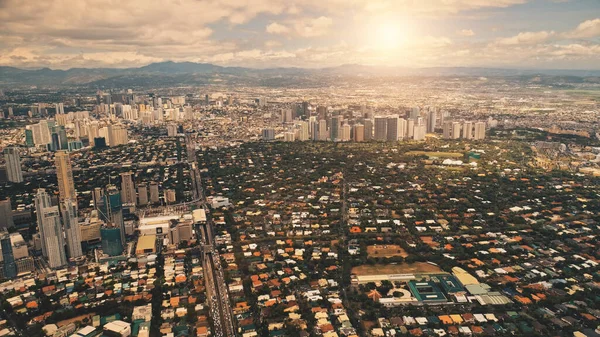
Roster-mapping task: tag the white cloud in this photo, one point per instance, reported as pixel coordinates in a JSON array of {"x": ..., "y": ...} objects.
[
  {"x": 526, "y": 38},
  {"x": 314, "y": 27},
  {"x": 276, "y": 28},
  {"x": 466, "y": 32},
  {"x": 586, "y": 29}
]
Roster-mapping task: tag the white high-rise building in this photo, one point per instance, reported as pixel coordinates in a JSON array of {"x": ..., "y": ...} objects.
[
  {"x": 53, "y": 238},
  {"x": 467, "y": 130},
  {"x": 71, "y": 227},
  {"x": 42, "y": 201},
  {"x": 410, "y": 133},
  {"x": 419, "y": 132},
  {"x": 456, "y": 130},
  {"x": 13, "y": 165},
  {"x": 345, "y": 136},
  {"x": 303, "y": 129},
  {"x": 415, "y": 112},
  {"x": 323, "y": 132},
  {"x": 479, "y": 131},
  {"x": 402, "y": 129},
  {"x": 128, "y": 195},
  {"x": 60, "y": 108}
]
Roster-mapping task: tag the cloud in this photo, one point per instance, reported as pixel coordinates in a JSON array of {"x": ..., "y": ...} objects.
[
  {"x": 260, "y": 33},
  {"x": 314, "y": 27},
  {"x": 526, "y": 38},
  {"x": 586, "y": 29},
  {"x": 465, "y": 32},
  {"x": 276, "y": 28},
  {"x": 304, "y": 27}
]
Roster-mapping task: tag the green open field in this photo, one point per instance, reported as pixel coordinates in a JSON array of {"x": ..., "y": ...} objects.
[{"x": 435, "y": 154}]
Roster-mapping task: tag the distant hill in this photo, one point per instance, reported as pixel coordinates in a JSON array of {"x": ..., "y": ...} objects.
[{"x": 191, "y": 73}]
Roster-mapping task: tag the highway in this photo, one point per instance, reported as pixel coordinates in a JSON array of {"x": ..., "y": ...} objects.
[{"x": 216, "y": 288}]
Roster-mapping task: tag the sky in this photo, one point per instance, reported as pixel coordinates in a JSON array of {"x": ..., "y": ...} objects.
[{"x": 535, "y": 34}]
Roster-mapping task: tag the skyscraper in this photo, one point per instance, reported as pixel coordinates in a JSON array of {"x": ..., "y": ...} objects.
[
  {"x": 419, "y": 132},
  {"x": 467, "y": 130},
  {"x": 268, "y": 134},
  {"x": 346, "y": 133},
  {"x": 8, "y": 259},
  {"x": 414, "y": 113},
  {"x": 479, "y": 131},
  {"x": 154, "y": 195},
  {"x": 323, "y": 134},
  {"x": 359, "y": 133},
  {"x": 112, "y": 210},
  {"x": 410, "y": 130},
  {"x": 335, "y": 129},
  {"x": 60, "y": 108},
  {"x": 393, "y": 128},
  {"x": 53, "y": 239},
  {"x": 71, "y": 227},
  {"x": 368, "y": 123},
  {"x": 303, "y": 127},
  {"x": 142, "y": 194},
  {"x": 381, "y": 128},
  {"x": 13, "y": 164},
  {"x": 431, "y": 120},
  {"x": 6, "y": 216},
  {"x": 128, "y": 195},
  {"x": 64, "y": 173},
  {"x": 42, "y": 201}
]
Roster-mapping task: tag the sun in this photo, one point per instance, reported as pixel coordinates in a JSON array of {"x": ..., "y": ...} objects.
[{"x": 388, "y": 35}]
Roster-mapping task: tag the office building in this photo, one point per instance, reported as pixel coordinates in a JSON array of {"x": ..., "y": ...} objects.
[
  {"x": 42, "y": 201},
  {"x": 419, "y": 132},
  {"x": 410, "y": 129},
  {"x": 335, "y": 128},
  {"x": 154, "y": 194},
  {"x": 9, "y": 268},
  {"x": 393, "y": 129},
  {"x": 380, "y": 128},
  {"x": 6, "y": 216},
  {"x": 13, "y": 165},
  {"x": 170, "y": 196},
  {"x": 111, "y": 210},
  {"x": 359, "y": 133},
  {"x": 111, "y": 240},
  {"x": 346, "y": 133},
  {"x": 64, "y": 173},
  {"x": 142, "y": 194},
  {"x": 52, "y": 238},
  {"x": 323, "y": 132},
  {"x": 431, "y": 120},
  {"x": 71, "y": 228},
  {"x": 128, "y": 195},
  {"x": 321, "y": 112},
  {"x": 415, "y": 113},
  {"x": 303, "y": 128},
  {"x": 368, "y": 123},
  {"x": 268, "y": 134}
]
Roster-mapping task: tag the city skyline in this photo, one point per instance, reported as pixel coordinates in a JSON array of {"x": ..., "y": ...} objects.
[{"x": 553, "y": 34}]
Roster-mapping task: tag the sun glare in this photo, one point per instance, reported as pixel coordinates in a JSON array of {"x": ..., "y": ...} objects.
[{"x": 388, "y": 35}]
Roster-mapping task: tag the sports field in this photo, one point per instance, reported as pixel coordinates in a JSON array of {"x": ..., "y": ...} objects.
[
  {"x": 402, "y": 268},
  {"x": 386, "y": 251}
]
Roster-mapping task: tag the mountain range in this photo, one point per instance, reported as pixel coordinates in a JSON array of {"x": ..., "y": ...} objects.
[{"x": 190, "y": 73}]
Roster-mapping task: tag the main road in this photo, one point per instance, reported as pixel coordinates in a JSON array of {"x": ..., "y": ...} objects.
[{"x": 216, "y": 288}]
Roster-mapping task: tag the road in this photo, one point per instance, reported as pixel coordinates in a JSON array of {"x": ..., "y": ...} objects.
[{"x": 216, "y": 288}]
